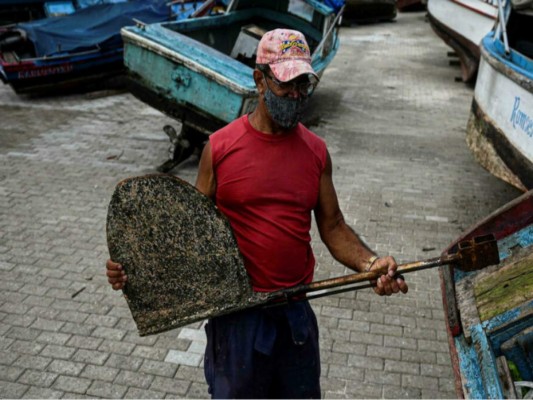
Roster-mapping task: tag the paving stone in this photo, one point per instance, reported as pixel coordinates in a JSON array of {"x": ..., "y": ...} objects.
[
  {"x": 35, "y": 392},
  {"x": 344, "y": 372},
  {"x": 23, "y": 333},
  {"x": 102, "y": 320},
  {"x": 383, "y": 378},
  {"x": 130, "y": 363},
  {"x": 109, "y": 333},
  {"x": 363, "y": 390},
  {"x": 38, "y": 378},
  {"x": 419, "y": 356},
  {"x": 107, "y": 390},
  {"x": 365, "y": 362},
  {"x": 136, "y": 393},
  {"x": 44, "y": 312},
  {"x": 184, "y": 358},
  {"x": 169, "y": 385},
  {"x": 337, "y": 312},
  {"x": 39, "y": 300},
  {"x": 64, "y": 367},
  {"x": 133, "y": 337},
  {"x": 33, "y": 362},
  {"x": 90, "y": 356},
  {"x": 197, "y": 391},
  {"x": 7, "y": 358},
  {"x": 421, "y": 382},
  {"x": 397, "y": 392},
  {"x": 81, "y": 329},
  {"x": 84, "y": 342},
  {"x": 72, "y": 384},
  {"x": 19, "y": 320},
  {"x": 150, "y": 352},
  {"x": 12, "y": 390},
  {"x": 5, "y": 342},
  {"x": 386, "y": 353},
  {"x": 400, "y": 342},
  {"x": 332, "y": 357},
  {"x": 100, "y": 373},
  {"x": 10, "y": 374},
  {"x": 117, "y": 347},
  {"x": 134, "y": 379},
  {"x": 159, "y": 368}
]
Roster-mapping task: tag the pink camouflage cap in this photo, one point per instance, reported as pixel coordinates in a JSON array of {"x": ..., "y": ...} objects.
[{"x": 286, "y": 52}]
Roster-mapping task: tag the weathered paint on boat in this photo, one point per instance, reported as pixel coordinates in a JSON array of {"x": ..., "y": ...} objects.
[
  {"x": 500, "y": 128},
  {"x": 476, "y": 346},
  {"x": 186, "y": 70},
  {"x": 462, "y": 24}
]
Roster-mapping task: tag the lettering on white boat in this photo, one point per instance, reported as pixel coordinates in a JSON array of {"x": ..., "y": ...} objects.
[
  {"x": 35, "y": 73},
  {"x": 521, "y": 119}
]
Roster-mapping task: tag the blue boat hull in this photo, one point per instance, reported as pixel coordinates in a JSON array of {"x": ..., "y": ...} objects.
[{"x": 480, "y": 347}]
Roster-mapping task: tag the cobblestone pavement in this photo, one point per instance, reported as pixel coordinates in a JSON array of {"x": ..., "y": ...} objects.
[{"x": 394, "y": 119}]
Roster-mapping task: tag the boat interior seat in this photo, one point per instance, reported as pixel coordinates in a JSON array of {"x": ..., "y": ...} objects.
[{"x": 245, "y": 47}]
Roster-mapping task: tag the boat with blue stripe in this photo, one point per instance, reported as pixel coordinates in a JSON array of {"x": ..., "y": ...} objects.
[
  {"x": 500, "y": 128},
  {"x": 199, "y": 71},
  {"x": 78, "y": 50},
  {"x": 489, "y": 313}
]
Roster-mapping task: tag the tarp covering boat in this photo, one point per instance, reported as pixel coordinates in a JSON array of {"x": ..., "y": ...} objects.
[{"x": 93, "y": 25}]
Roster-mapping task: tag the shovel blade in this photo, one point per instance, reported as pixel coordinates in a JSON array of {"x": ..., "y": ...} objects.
[{"x": 178, "y": 251}]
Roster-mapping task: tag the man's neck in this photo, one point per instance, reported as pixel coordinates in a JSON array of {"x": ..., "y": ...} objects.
[{"x": 260, "y": 121}]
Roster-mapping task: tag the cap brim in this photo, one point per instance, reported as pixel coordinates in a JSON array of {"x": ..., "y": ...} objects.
[{"x": 288, "y": 70}]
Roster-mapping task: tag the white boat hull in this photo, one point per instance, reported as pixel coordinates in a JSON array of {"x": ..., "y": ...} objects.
[
  {"x": 500, "y": 129},
  {"x": 462, "y": 24}
]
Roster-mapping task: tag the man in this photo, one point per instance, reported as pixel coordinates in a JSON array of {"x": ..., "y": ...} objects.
[{"x": 267, "y": 173}]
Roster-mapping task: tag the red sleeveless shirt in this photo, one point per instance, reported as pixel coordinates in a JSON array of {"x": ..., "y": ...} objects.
[{"x": 267, "y": 186}]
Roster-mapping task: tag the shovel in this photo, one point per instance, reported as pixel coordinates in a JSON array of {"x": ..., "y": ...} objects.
[{"x": 183, "y": 263}]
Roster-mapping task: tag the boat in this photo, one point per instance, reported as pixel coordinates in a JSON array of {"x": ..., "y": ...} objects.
[
  {"x": 462, "y": 24},
  {"x": 77, "y": 50},
  {"x": 500, "y": 127},
  {"x": 369, "y": 11},
  {"x": 411, "y": 5},
  {"x": 199, "y": 71},
  {"x": 489, "y": 313}
]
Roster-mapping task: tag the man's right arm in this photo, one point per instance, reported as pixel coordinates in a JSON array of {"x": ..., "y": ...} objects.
[{"x": 205, "y": 180}]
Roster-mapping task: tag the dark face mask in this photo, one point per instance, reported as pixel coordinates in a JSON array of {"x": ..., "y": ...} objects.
[{"x": 285, "y": 111}]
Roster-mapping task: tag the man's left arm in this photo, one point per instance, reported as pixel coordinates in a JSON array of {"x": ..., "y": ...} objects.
[{"x": 344, "y": 244}]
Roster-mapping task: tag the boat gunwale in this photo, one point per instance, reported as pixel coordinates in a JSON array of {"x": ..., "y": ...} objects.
[
  {"x": 134, "y": 39},
  {"x": 492, "y": 51}
]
